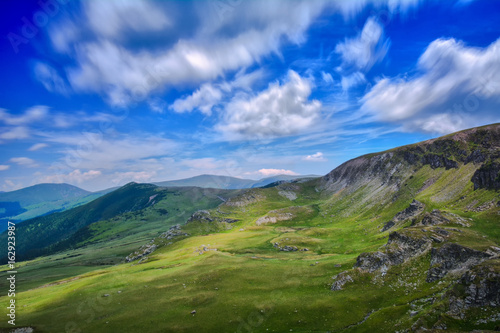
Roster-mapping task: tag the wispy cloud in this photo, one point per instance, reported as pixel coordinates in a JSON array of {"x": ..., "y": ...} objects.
[
  {"x": 457, "y": 86},
  {"x": 37, "y": 146},
  {"x": 24, "y": 161}
]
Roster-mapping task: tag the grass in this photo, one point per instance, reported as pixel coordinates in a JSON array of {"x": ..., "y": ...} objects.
[{"x": 246, "y": 284}]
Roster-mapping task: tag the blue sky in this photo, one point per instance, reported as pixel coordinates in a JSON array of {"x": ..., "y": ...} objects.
[{"x": 101, "y": 93}]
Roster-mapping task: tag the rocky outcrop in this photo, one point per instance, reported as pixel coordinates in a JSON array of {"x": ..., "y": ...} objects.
[
  {"x": 274, "y": 218},
  {"x": 453, "y": 257},
  {"x": 142, "y": 252},
  {"x": 285, "y": 248},
  {"x": 487, "y": 176},
  {"x": 475, "y": 157},
  {"x": 204, "y": 216},
  {"x": 146, "y": 249},
  {"x": 438, "y": 161},
  {"x": 479, "y": 287},
  {"x": 340, "y": 280},
  {"x": 434, "y": 218},
  {"x": 244, "y": 199},
  {"x": 400, "y": 247},
  {"x": 174, "y": 231},
  {"x": 409, "y": 213}
]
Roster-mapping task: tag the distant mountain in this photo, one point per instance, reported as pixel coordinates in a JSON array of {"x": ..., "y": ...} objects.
[
  {"x": 36, "y": 235},
  {"x": 49, "y": 233},
  {"x": 43, "y": 193},
  {"x": 42, "y": 199},
  {"x": 226, "y": 182}
]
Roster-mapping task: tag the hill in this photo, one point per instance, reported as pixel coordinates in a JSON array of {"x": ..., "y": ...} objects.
[
  {"x": 402, "y": 240},
  {"x": 43, "y": 193},
  {"x": 41, "y": 199}
]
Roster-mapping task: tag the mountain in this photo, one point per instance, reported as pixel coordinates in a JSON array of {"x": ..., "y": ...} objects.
[
  {"x": 43, "y": 193},
  {"x": 226, "y": 182},
  {"x": 401, "y": 240},
  {"x": 44, "y": 234},
  {"x": 41, "y": 199}
]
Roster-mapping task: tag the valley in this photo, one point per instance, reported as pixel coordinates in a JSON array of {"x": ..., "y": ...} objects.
[{"x": 402, "y": 240}]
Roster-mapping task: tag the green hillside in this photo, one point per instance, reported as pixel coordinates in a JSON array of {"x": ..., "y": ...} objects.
[
  {"x": 41, "y": 199},
  {"x": 403, "y": 240}
]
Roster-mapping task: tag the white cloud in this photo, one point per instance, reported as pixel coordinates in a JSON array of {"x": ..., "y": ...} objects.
[
  {"x": 33, "y": 114},
  {"x": 280, "y": 110},
  {"x": 119, "y": 178},
  {"x": 15, "y": 133},
  {"x": 202, "y": 99},
  {"x": 457, "y": 86},
  {"x": 105, "y": 65},
  {"x": 209, "y": 95},
  {"x": 74, "y": 177},
  {"x": 114, "y": 18},
  {"x": 37, "y": 146},
  {"x": 317, "y": 157},
  {"x": 23, "y": 161},
  {"x": 353, "y": 80},
  {"x": 275, "y": 172},
  {"x": 369, "y": 47},
  {"x": 94, "y": 151},
  {"x": 50, "y": 78},
  {"x": 4, "y": 167},
  {"x": 327, "y": 77}
]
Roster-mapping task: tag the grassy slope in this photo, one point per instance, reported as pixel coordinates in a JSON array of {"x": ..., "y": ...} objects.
[{"x": 247, "y": 284}]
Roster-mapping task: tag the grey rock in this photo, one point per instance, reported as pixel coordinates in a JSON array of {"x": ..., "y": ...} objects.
[
  {"x": 487, "y": 176},
  {"x": 412, "y": 211},
  {"x": 340, "y": 280},
  {"x": 451, "y": 257},
  {"x": 475, "y": 157},
  {"x": 434, "y": 218},
  {"x": 481, "y": 288},
  {"x": 400, "y": 247}
]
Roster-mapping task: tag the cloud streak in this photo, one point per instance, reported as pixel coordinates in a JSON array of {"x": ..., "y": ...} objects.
[{"x": 457, "y": 86}]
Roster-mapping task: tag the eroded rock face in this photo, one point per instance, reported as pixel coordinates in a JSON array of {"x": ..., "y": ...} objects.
[
  {"x": 481, "y": 288},
  {"x": 399, "y": 248},
  {"x": 453, "y": 257},
  {"x": 244, "y": 199},
  {"x": 438, "y": 161},
  {"x": 340, "y": 280},
  {"x": 434, "y": 218},
  {"x": 475, "y": 157},
  {"x": 412, "y": 211},
  {"x": 487, "y": 176}
]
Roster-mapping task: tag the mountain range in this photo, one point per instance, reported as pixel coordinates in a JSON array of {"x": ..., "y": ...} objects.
[
  {"x": 43, "y": 199},
  {"x": 402, "y": 240}
]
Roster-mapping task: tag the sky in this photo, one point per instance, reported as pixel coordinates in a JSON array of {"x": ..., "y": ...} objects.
[{"x": 101, "y": 93}]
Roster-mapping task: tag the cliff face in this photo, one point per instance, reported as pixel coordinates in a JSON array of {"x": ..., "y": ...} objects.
[{"x": 478, "y": 146}]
